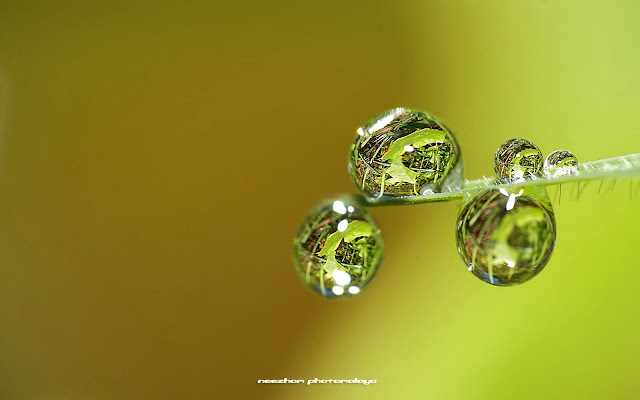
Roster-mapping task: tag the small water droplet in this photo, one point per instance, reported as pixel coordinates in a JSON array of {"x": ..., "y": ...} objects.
[
  {"x": 338, "y": 254},
  {"x": 506, "y": 237},
  {"x": 427, "y": 190},
  {"x": 402, "y": 151},
  {"x": 517, "y": 160},
  {"x": 560, "y": 163}
]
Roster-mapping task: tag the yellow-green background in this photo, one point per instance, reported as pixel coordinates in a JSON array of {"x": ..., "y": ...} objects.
[{"x": 156, "y": 159}]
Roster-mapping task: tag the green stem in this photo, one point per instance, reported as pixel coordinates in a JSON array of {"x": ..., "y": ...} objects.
[{"x": 610, "y": 168}]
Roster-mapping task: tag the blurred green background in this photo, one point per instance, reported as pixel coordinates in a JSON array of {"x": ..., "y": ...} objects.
[{"x": 156, "y": 159}]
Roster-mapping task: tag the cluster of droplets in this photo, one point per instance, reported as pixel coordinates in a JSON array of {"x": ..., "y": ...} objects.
[
  {"x": 507, "y": 236},
  {"x": 518, "y": 160},
  {"x": 504, "y": 236}
]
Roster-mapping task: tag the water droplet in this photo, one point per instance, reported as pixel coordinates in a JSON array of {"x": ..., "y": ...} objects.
[
  {"x": 427, "y": 190},
  {"x": 506, "y": 237},
  {"x": 560, "y": 163},
  {"x": 517, "y": 160},
  {"x": 337, "y": 254},
  {"x": 402, "y": 151}
]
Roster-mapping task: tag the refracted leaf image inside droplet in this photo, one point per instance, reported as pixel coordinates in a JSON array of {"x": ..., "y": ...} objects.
[
  {"x": 506, "y": 237},
  {"x": 517, "y": 160},
  {"x": 405, "y": 152},
  {"x": 338, "y": 249},
  {"x": 560, "y": 163}
]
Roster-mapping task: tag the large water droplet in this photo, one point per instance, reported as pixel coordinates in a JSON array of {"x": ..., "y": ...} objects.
[
  {"x": 506, "y": 237},
  {"x": 338, "y": 248},
  {"x": 517, "y": 160},
  {"x": 560, "y": 163},
  {"x": 405, "y": 152}
]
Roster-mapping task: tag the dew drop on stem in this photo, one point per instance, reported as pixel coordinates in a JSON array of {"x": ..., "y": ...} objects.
[
  {"x": 506, "y": 237},
  {"x": 338, "y": 249}
]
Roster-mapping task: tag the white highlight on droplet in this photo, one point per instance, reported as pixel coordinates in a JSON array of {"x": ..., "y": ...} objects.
[
  {"x": 337, "y": 290},
  {"x": 518, "y": 175},
  {"x": 342, "y": 225},
  {"x": 408, "y": 148},
  {"x": 354, "y": 290},
  {"x": 339, "y": 207},
  {"x": 360, "y": 132},
  {"x": 512, "y": 199},
  {"x": 381, "y": 123},
  {"x": 511, "y": 202},
  {"x": 341, "y": 278},
  {"x": 351, "y": 209}
]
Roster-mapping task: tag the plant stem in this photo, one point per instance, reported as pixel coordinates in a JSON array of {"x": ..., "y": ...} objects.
[{"x": 610, "y": 168}]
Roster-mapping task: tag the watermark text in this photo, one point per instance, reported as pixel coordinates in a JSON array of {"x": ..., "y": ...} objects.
[{"x": 316, "y": 380}]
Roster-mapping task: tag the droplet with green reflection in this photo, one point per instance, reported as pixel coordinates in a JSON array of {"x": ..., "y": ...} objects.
[
  {"x": 405, "y": 152},
  {"x": 560, "y": 163},
  {"x": 506, "y": 237},
  {"x": 516, "y": 160},
  {"x": 338, "y": 248}
]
